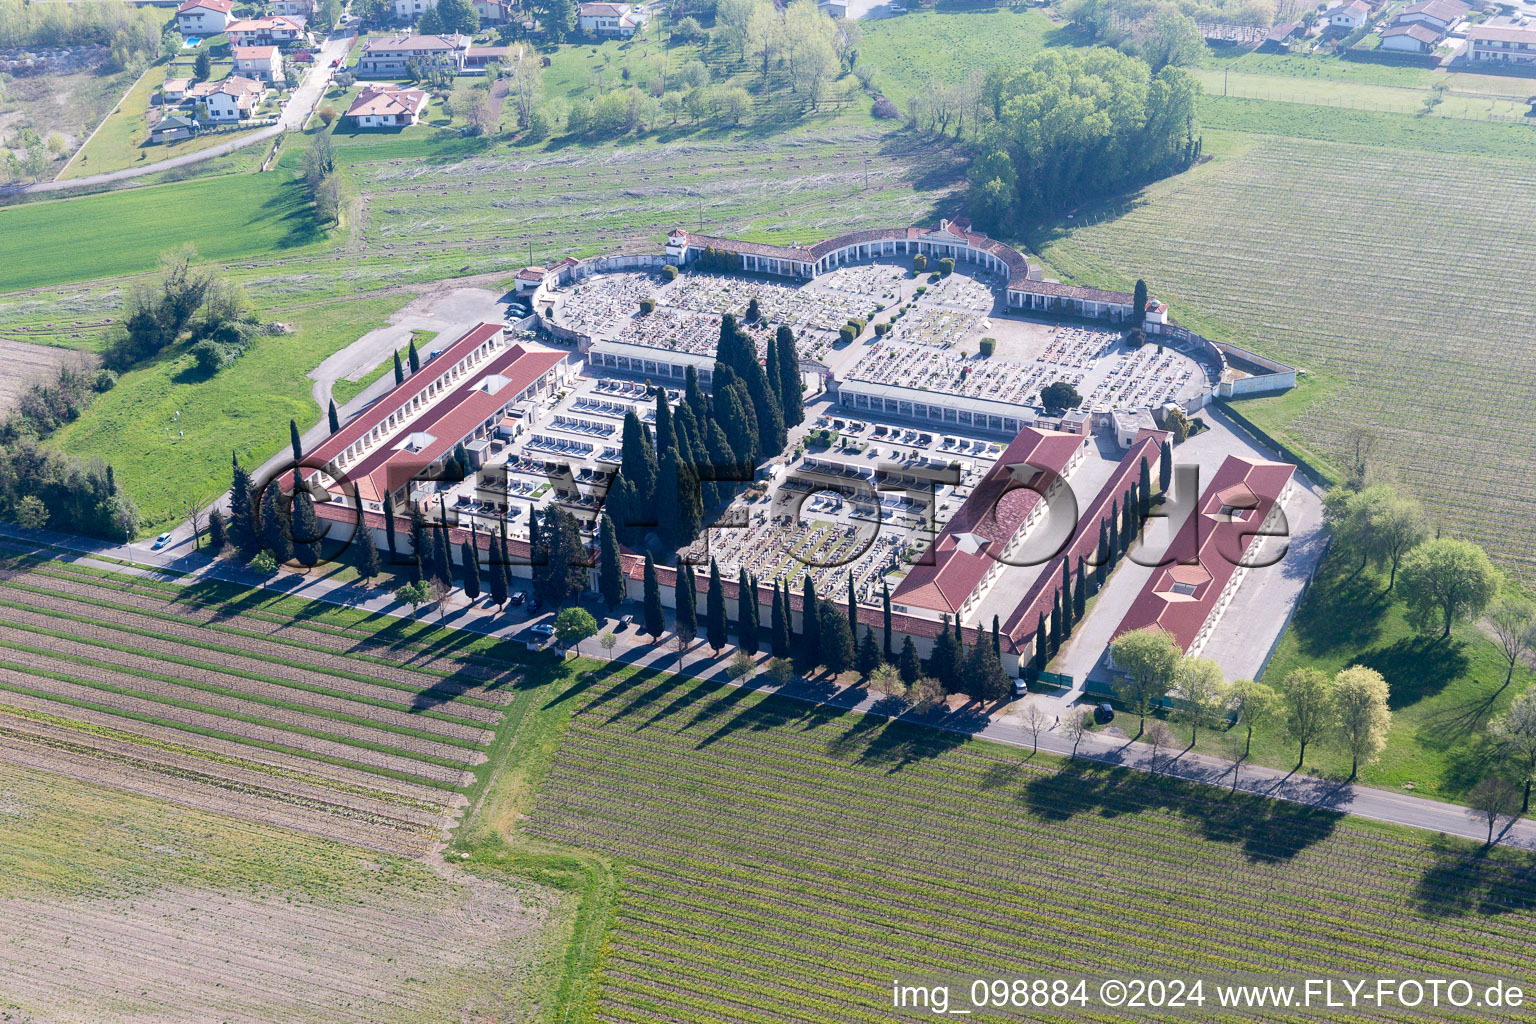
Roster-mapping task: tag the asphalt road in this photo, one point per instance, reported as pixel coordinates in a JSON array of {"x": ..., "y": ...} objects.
[{"x": 998, "y": 724}]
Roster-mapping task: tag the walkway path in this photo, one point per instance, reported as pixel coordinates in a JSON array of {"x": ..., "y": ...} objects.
[
  {"x": 297, "y": 110},
  {"x": 1000, "y": 725}
]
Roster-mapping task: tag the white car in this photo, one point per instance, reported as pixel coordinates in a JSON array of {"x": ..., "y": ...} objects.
[{"x": 162, "y": 540}]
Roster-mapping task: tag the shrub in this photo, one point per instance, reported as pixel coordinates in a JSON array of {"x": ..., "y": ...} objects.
[
  {"x": 668, "y": 272},
  {"x": 742, "y": 664},
  {"x": 859, "y": 322},
  {"x": 105, "y": 380},
  {"x": 922, "y": 287},
  {"x": 264, "y": 563},
  {"x": 946, "y": 266},
  {"x": 882, "y": 328},
  {"x": 689, "y": 30},
  {"x": 213, "y": 356},
  {"x": 647, "y": 305},
  {"x": 327, "y": 115},
  {"x": 847, "y": 334},
  {"x": 538, "y": 127},
  {"x": 884, "y": 109},
  {"x": 919, "y": 264},
  {"x": 988, "y": 346}
]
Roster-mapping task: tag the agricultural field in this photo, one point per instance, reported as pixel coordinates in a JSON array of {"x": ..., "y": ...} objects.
[
  {"x": 25, "y": 365},
  {"x": 1263, "y": 245},
  {"x": 333, "y": 735},
  {"x": 947, "y": 46},
  {"x": 782, "y": 863}
]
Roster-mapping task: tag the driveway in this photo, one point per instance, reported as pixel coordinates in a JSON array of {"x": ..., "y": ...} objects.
[{"x": 300, "y": 105}]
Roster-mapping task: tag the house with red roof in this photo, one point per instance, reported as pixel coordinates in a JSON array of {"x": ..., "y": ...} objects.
[
  {"x": 991, "y": 525},
  {"x": 1209, "y": 557},
  {"x": 204, "y": 17},
  {"x": 387, "y": 106},
  {"x": 265, "y": 31}
]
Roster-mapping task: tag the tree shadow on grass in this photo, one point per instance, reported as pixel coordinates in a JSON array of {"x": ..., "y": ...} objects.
[
  {"x": 1266, "y": 830},
  {"x": 1462, "y": 880},
  {"x": 1418, "y": 667},
  {"x": 1341, "y": 611}
]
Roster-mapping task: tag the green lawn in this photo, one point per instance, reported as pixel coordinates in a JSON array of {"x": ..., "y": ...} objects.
[
  {"x": 946, "y": 46},
  {"x": 62, "y": 240},
  {"x": 162, "y": 460}
]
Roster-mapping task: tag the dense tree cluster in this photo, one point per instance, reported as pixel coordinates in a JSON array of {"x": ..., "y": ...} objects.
[
  {"x": 186, "y": 305},
  {"x": 133, "y": 35},
  {"x": 321, "y": 182},
  {"x": 39, "y": 487},
  {"x": 1070, "y": 126},
  {"x": 1161, "y": 32}
]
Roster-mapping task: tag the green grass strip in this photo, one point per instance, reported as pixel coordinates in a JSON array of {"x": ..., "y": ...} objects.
[
  {"x": 224, "y": 691},
  {"x": 308, "y": 755},
  {"x": 238, "y": 716}
]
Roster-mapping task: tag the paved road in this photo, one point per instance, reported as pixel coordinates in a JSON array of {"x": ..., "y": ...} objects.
[
  {"x": 1001, "y": 725},
  {"x": 300, "y": 105}
]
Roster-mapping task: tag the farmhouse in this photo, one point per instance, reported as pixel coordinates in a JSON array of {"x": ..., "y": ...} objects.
[
  {"x": 986, "y": 532},
  {"x": 1349, "y": 15},
  {"x": 1502, "y": 43},
  {"x": 261, "y": 63},
  {"x": 387, "y": 106},
  {"x": 609, "y": 19},
  {"x": 265, "y": 31},
  {"x": 393, "y": 56},
  {"x": 1205, "y": 562},
  {"x": 1414, "y": 38},
  {"x": 460, "y": 395},
  {"x": 203, "y": 17}
]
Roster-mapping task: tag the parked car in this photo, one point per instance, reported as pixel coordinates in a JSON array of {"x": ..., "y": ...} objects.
[
  {"x": 162, "y": 540},
  {"x": 1103, "y": 714},
  {"x": 625, "y": 621},
  {"x": 517, "y": 598},
  {"x": 543, "y": 629}
]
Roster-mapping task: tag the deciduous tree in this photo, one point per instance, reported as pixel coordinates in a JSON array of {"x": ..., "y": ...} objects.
[
  {"x": 1445, "y": 581},
  {"x": 1309, "y": 709}
]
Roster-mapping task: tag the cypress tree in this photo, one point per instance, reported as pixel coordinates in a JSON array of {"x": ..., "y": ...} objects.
[
  {"x": 779, "y": 637},
  {"x": 746, "y": 613},
  {"x": 414, "y": 358},
  {"x": 1128, "y": 522},
  {"x": 496, "y": 569},
  {"x": 837, "y": 652},
  {"x": 1144, "y": 491},
  {"x": 503, "y": 567},
  {"x": 389, "y": 527},
  {"x": 368, "y": 566},
  {"x": 997, "y": 639},
  {"x": 399, "y": 370},
  {"x": 775, "y": 378},
  {"x": 421, "y": 554},
  {"x": 1041, "y": 654},
  {"x": 853, "y": 608},
  {"x": 276, "y": 535},
  {"x": 1056, "y": 632},
  {"x": 442, "y": 556},
  {"x": 789, "y": 377},
  {"x": 810, "y": 622},
  {"x": 218, "y": 535},
  {"x": 469, "y": 555},
  {"x": 665, "y": 437},
  {"x": 1114, "y": 534},
  {"x": 242, "y": 509},
  {"x": 610, "y": 570},
  {"x": 693, "y": 395},
  {"x": 942, "y": 660},
  {"x": 655, "y": 621},
  {"x": 293, "y": 438},
  {"x": 1101, "y": 557},
  {"x": 668, "y": 516},
  {"x": 1165, "y": 467},
  {"x": 335, "y": 419},
  {"x": 885, "y": 611},
  {"x": 1139, "y": 301},
  {"x": 714, "y": 616},
  {"x": 639, "y": 463},
  {"x": 869, "y": 653},
  {"x": 1066, "y": 590},
  {"x": 687, "y": 601},
  {"x": 306, "y": 526},
  {"x": 1080, "y": 591},
  {"x": 908, "y": 665}
]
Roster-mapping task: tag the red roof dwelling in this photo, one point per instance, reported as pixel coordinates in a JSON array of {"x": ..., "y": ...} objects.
[
  {"x": 1040, "y": 598},
  {"x": 1187, "y": 596},
  {"x": 955, "y": 572},
  {"x": 387, "y": 105},
  {"x": 206, "y": 17},
  {"x": 262, "y": 31}
]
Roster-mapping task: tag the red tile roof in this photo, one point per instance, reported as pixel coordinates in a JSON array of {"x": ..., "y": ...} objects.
[
  {"x": 1211, "y": 543},
  {"x": 976, "y": 535},
  {"x": 222, "y": 6}
]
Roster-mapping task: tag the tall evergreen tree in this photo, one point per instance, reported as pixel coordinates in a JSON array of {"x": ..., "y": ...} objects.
[
  {"x": 853, "y": 608},
  {"x": 1080, "y": 591},
  {"x": 399, "y": 370},
  {"x": 610, "y": 569},
  {"x": 714, "y": 616},
  {"x": 668, "y": 515},
  {"x": 496, "y": 569},
  {"x": 693, "y": 395},
  {"x": 415, "y": 359},
  {"x": 218, "y": 532},
  {"x": 1165, "y": 466},
  {"x": 638, "y": 463},
  {"x": 737, "y": 350},
  {"x": 333, "y": 417},
  {"x": 775, "y": 378},
  {"x": 655, "y": 621},
  {"x": 242, "y": 510},
  {"x": 868, "y": 658},
  {"x": 789, "y": 377},
  {"x": 837, "y": 652},
  {"x": 1101, "y": 557},
  {"x": 686, "y": 599},
  {"x": 942, "y": 660},
  {"x": 777, "y": 623},
  {"x": 1056, "y": 631},
  {"x": 1042, "y": 655},
  {"x": 421, "y": 549},
  {"x": 810, "y": 622},
  {"x": 1066, "y": 589},
  {"x": 1127, "y": 523},
  {"x": 442, "y": 556},
  {"x": 997, "y": 638},
  {"x": 389, "y": 528},
  {"x": 885, "y": 614},
  {"x": 1114, "y": 534},
  {"x": 368, "y": 566},
  {"x": 307, "y": 535},
  {"x": 907, "y": 665},
  {"x": 665, "y": 436},
  {"x": 1144, "y": 489},
  {"x": 746, "y": 613},
  {"x": 469, "y": 554},
  {"x": 1139, "y": 302},
  {"x": 276, "y": 534},
  {"x": 293, "y": 438}
]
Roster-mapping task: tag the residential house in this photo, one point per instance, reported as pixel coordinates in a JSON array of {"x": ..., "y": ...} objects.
[
  {"x": 1349, "y": 15},
  {"x": 233, "y": 99},
  {"x": 609, "y": 19},
  {"x": 266, "y": 31},
  {"x": 387, "y": 106},
  {"x": 1439, "y": 15},
  {"x": 411, "y": 10},
  {"x": 494, "y": 12},
  {"x": 391, "y": 57},
  {"x": 304, "y": 9},
  {"x": 477, "y": 58},
  {"x": 1415, "y": 38},
  {"x": 262, "y": 63},
  {"x": 173, "y": 128},
  {"x": 174, "y": 90},
  {"x": 204, "y": 17},
  {"x": 1508, "y": 43}
]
